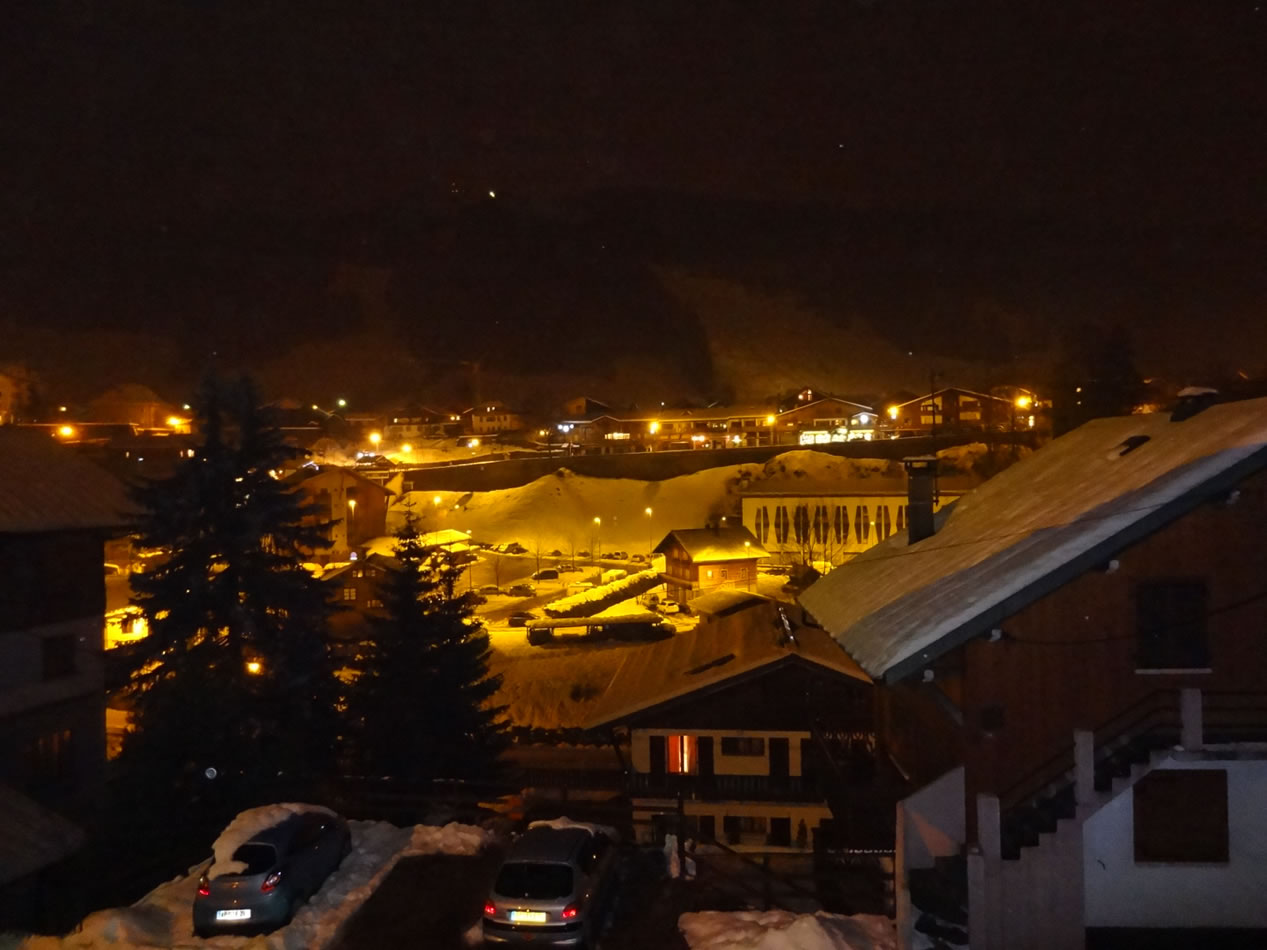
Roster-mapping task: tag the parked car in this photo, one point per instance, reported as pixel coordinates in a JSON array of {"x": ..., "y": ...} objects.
[
  {"x": 282, "y": 866},
  {"x": 617, "y": 555},
  {"x": 567, "y": 567},
  {"x": 546, "y": 574},
  {"x": 638, "y": 558},
  {"x": 553, "y": 889},
  {"x": 516, "y": 548},
  {"x": 490, "y": 589},
  {"x": 521, "y": 619},
  {"x": 522, "y": 590},
  {"x": 582, "y": 554},
  {"x": 555, "y": 553},
  {"x": 669, "y": 607}
]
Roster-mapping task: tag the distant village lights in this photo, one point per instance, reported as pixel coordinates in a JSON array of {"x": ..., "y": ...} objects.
[
  {"x": 375, "y": 438},
  {"x": 66, "y": 432}
]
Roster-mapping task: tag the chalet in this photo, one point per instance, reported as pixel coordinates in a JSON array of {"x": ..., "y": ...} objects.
[
  {"x": 1071, "y": 670},
  {"x": 493, "y": 419},
  {"x": 56, "y": 511},
  {"x": 356, "y": 505},
  {"x": 956, "y": 410},
  {"x": 729, "y": 728},
  {"x": 815, "y": 416},
  {"x": 356, "y": 589},
  {"x": 703, "y": 559},
  {"x": 136, "y": 405},
  {"x": 418, "y": 422}
]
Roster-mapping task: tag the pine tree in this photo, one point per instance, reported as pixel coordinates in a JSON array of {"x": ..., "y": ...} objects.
[
  {"x": 234, "y": 674},
  {"x": 420, "y": 706}
]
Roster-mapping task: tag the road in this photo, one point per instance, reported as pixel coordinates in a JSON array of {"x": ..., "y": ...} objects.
[{"x": 426, "y": 903}]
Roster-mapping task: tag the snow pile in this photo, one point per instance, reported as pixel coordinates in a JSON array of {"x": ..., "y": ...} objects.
[
  {"x": 453, "y": 838},
  {"x": 782, "y": 930},
  {"x": 164, "y": 917},
  {"x": 574, "y": 605},
  {"x": 246, "y": 826},
  {"x": 564, "y": 822}
]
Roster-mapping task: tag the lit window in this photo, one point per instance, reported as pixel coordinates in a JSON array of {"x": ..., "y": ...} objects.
[
  {"x": 682, "y": 756},
  {"x": 349, "y": 593}
]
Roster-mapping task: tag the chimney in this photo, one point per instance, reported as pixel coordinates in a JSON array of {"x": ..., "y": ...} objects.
[
  {"x": 921, "y": 492},
  {"x": 1192, "y": 400}
]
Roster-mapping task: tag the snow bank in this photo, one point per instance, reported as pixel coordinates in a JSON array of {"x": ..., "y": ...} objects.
[
  {"x": 245, "y": 827},
  {"x": 564, "y": 822},
  {"x": 164, "y": 917},
  {"x": 781, "y": 930}
]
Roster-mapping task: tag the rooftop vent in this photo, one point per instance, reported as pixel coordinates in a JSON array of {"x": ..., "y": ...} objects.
[
  {"x": 1192, "y": 400},
  {"x": 1127, "y": 446}
]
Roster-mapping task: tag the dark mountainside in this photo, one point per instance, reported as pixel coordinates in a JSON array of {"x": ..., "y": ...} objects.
[{"x": 498, "y": 299}]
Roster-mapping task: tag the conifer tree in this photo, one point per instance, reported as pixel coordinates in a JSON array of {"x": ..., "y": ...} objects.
[
  {"x": 234, "y": 674},
  {"x": 420, "y": 706}
]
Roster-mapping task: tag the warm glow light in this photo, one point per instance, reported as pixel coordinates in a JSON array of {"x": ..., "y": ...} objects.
[
  {"x": 492, "y": 194},
  {"x": 893, "y": 412},
  {"x": 647, "y": 512},
  {"x": 175, "y": 421},
  {"x": 61, "y": 408},
  {"x": 653, "y": 427},
  {"x": 541, "y": 432},
  {"x": 254, "y": 667},
  {"x": 352, "y": 504},
  {"x": 1024, "y": 402},
  {"x": 473, "y": 444},
  {"x": 375, "y": 438},
  {"x": 597, "y": 520},
  {"x": 406, "y": 448},
  {"x": 66, "y": 432},
  {"x": 769, "y": 420},
  {"x": 342, "y": 403}
]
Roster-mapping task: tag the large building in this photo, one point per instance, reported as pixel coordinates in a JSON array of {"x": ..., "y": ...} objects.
[
  {"x": 1071, "y": 671},
  {"x": 56, "y": 512}
]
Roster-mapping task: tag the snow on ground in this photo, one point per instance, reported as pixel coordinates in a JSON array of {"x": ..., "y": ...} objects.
[
  {"x": 164, "y": 918},
  {"x": 554, "y": 687},
  {"x": 782, "y": 930},
  {"x": 245, "y": 827},
  {"x": 557, "y": 511}
]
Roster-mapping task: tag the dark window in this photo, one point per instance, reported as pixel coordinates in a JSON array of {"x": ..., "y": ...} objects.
[
  {"x": 537, "y": 882},
  {"x": 781, "y": 832},
  {"x": 886, "y": 521},
  {"x": 49, "y": 758},
  {"x": 57, "y": 655},
  {"x": 901, "y": 517},
  {"x": 991, "y": 718},
  {"x": 707, "y": 828},
  {"x": 781, "y": 524},
  {"x": 257, "y": 856},
  {"x": 838, "y": 521},
  {"x": 742, "y": 745},
  {"x": 763, "y": 524},
  {"x": 802, "y": 524},
  {"x": 744, "y": 824},
  {"x": 862, "y": 524},
  {"x": 1170, "y": 625},
  {"x": 1181, "y": 816}
]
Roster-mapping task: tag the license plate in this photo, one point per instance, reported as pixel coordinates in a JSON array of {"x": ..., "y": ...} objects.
[
  {"x": 528, "y": 916},
  {"x": 244, "y": 914}
]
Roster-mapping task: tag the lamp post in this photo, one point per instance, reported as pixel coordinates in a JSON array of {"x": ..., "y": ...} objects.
[
  {"x": 598, "y": 539},
  {"x": 650, "y": 532},
  {"x": 351, "y": 529}
]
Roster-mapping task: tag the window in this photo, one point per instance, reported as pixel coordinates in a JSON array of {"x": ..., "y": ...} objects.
[
  {"x": 1170, "y": 625},
  {"x": 682, "y": 756},
  {"x": 781, "y": 524},
  {"x": 763, "y": 524},
  {"x": 737, "y": 825},
  {"x": 1181, "y": 816},
  {"x": 49, "y": 757},
  {"x": 373, "y": 602},
  {"x": 901, "y": 518},
  {"x": 57, "y": 656},
  {"x": 349, "y": 593},
  {"x": 836, "y": 523},
  {"x": 884, "y": 524},
  {"x": 861, "y": 524},
  {"x": 742, "y": 745},
  {"x": 802, "y": 524},
  {"x": 820, "y": 524},
  {"x": 743, "y": 574},
  {"x": 723, "y": 574}
]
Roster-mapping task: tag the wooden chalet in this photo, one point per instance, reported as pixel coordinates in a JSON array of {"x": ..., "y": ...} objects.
[
  {"x": 752, "y": 730},
  {"x": 955, "y": 410},
  {"x": 1071, "y": 668},
  {"x": 703, "y": 559},
  {"x": 356, "y": 505}
]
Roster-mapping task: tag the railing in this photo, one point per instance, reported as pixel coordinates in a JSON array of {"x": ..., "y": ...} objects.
[{"x": 792, "y": 788}]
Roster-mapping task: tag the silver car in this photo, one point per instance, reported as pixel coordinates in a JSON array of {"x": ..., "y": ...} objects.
[
  {"x": 552, "y": 890},
  {"x": 285, "y": 865}
]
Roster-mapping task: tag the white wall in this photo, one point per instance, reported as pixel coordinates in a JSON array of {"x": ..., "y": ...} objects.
[
  {"x": 1120, "y": 893},
  {"x": 933, "y": 820}
]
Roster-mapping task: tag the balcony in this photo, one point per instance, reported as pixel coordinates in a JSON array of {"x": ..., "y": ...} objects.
[{"x": 716, "y": 788}]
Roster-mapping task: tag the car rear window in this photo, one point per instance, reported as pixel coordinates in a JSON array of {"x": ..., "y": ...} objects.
[
  {"x": 257, "y": 857},
  {"x": 534, "y": 881}
]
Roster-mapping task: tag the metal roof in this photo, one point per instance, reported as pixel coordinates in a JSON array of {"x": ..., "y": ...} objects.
[
  {"x": 46, "y": 486},
  {"x": 1032, "y": 528},
  {"x": 715, "y": 544}
]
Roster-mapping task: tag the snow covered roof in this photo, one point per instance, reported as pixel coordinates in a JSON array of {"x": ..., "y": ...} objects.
[
  {"x": 725, "y": 601},
  {"x": 710, "y": 655},
  {"x": 45, "y": 486},
  {"x": 952, "y": 389},
  {"x": 1050, "y": 517},
  {"x": 714, "y": 544},
  {"x": 31, "y": 836}
]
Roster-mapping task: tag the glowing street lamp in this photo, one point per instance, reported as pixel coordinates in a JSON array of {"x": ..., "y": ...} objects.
[
  {"x": 650, "y": 533},
  {"x": 598, "y": 537},
  {"x": 1024, "y": 402},
  {"x": 375, "y": 438},
  {"x": 351, "y": 530},
  {"x": 342, "y": 403},
  {"x": 406, "y": 448},
  {"x": 436, "y": 501},
  {"x": 255, "y": 667},
  {"x": 66, "y": 432}
]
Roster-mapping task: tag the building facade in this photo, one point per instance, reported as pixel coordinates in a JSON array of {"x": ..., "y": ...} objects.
[{"x": 699, "y": 560}]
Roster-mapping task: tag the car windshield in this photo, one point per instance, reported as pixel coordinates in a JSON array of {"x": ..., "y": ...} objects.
[
  {"x": 534, "y": 881},
  {"x": 257, "y": 857}
]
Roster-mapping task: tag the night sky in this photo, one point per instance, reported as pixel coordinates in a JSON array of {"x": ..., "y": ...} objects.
[{"x": 203, "y": 173}]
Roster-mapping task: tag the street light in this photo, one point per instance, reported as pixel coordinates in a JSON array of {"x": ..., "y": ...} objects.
[
  {"x": 650, "y": 534},
  {"x": 598, "y": 537},
  {"x": 351, "y": 529},
  {"x": 375, "y": 438}
]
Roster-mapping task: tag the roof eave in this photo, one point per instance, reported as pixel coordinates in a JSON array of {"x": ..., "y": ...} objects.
[{"x": 995, "y": 614}]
